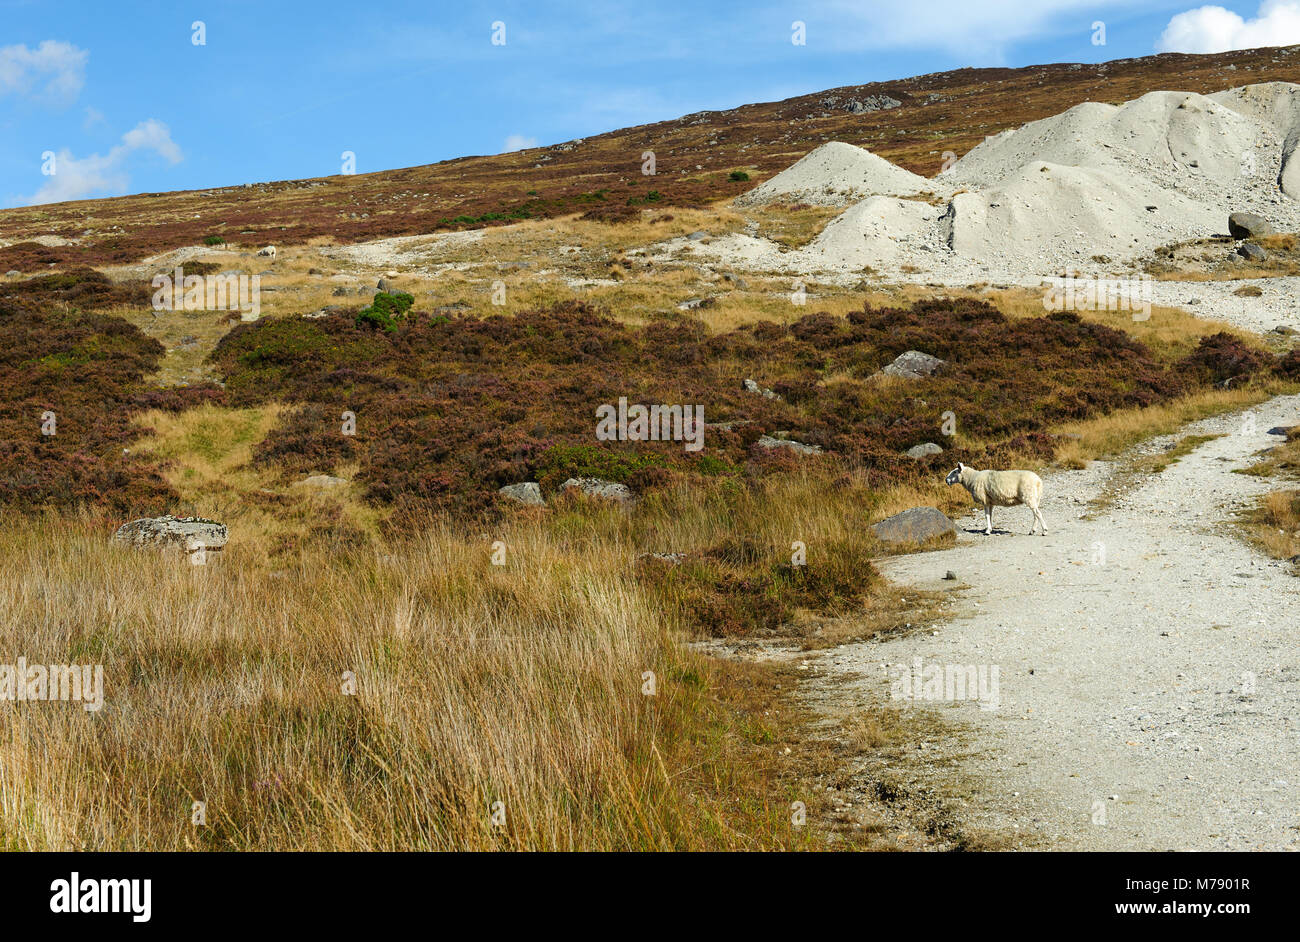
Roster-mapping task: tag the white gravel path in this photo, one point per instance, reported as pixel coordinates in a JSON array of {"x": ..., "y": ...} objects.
[{"x": 1124, "y": 684}]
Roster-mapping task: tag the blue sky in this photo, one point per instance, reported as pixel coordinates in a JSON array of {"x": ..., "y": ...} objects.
[{"x": 126, "y": 102}]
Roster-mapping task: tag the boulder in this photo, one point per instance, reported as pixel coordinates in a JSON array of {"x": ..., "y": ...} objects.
[
  {"x": 595, "y": 487},
  {"x": 914, "y": 526},
  {"x": 924, "y": 450},
  {"x": 186, "y": 533},
  {"x": 1252, "y": 252},
  {"x": 529, "y": 492},
  {"x": 914, "y": 365},
  {"x": 768, "y": 443},
  {"x": 1249, "y": 226}
]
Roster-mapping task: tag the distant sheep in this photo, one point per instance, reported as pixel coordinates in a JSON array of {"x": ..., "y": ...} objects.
[
  {"x": 1001, "y": 489},
  {"x": 268, "y": 252}
]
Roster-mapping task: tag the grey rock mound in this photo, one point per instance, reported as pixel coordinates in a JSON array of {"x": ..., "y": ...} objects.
[
  {"x": 914, "y": 365},
  {"x": 528, "y": 492},
  {"x": 914, "y": 526},
  {"x": 187, "y": 533}
]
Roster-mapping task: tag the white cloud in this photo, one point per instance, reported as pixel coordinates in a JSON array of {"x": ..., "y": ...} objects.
[
  {"x": 79, "y": 177},
  {"x": 1214, "y": 29},
  {"x": 53, "y": 72},
  {"x": 518, "y": 142}
]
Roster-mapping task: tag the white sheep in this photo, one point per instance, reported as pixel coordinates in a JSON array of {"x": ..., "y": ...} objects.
[
  {"x": 1001, "y": 489},
  {"x": 267, "y": 252}
]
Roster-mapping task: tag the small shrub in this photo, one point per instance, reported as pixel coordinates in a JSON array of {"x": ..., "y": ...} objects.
[
  {"x": 386, "y": 310},
  {"x": 215, "y": 240},
  {"x": 738, "y": 176}
]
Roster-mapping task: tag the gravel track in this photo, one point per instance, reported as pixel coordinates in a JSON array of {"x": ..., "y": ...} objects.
[{"x": 1125, "y": 683}]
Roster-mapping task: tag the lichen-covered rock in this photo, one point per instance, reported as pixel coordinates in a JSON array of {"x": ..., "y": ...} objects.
[
  {"x": 924, "y": 450},
  {"x": 914, "y": 526},
  {"x": 595, "y": 487},
  {"x": 529, "y": 492},
  {"x": 187, "y": 533}
]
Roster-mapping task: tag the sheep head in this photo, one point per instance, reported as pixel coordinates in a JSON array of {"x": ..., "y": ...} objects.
[{"x": 954, "y": 475}]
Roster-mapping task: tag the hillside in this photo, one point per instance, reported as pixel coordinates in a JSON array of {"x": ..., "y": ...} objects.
[{"x": 910, "y": 122}]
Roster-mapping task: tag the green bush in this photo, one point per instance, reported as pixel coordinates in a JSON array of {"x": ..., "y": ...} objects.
[
  {"x": 215, "y": 240},
  {"x": 739, "y": 176},
  {"x": 385, "y": 310}
]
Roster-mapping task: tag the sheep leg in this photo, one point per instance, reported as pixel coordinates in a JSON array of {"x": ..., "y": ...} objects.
[
  {"x": 988, "y": 518},
  {"x": 1041, "y": 523}
]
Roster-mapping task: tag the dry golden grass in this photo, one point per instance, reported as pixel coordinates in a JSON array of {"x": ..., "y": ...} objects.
[
  {"x": 475, "y": 684},
  {"x": 1274, "y": 525}
]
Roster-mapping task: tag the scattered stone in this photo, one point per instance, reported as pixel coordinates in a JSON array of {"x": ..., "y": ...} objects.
[
  {"x": 698, "y": 235},
  {"x": 340, "y": 291},
  {"x": 914, "y": 365},
  {"x": 1284, "y": 330},
  {"x": 383, "y": 284},
  {"x": 914, "y": 526},
  {"x": 874, "y": 103},
  {"x": 750, "y": 386},
  {"x": 13, "y": 274},
  {"x": 1252, "y": 252},
  {"x": 692, "y": 304},
  {"x": 168, "y": 532},
  {"x": 924, "y": 450},
  {"x": 1249, "y": 226},
  {"x": 951, "y": 576},
  {"x": 595, "y": 487},
  {"x": 769, "y": 443},
  {"x": 529, "y": 492}
]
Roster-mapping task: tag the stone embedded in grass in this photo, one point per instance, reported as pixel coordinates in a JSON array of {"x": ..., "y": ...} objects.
[
  {"x": 528, "y": 492},
  {"x": 924, "y": 450},
  {"x": 1252, "y": 252},
  {"x": 769, "y": 443},
  {"x": 914, "y": 364},
  {"x": 323, "y": 480},
  {"x": 914, "y": 526},
  {"x": 595, "y": 487},
  {"x": 168, "y": 532}
]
